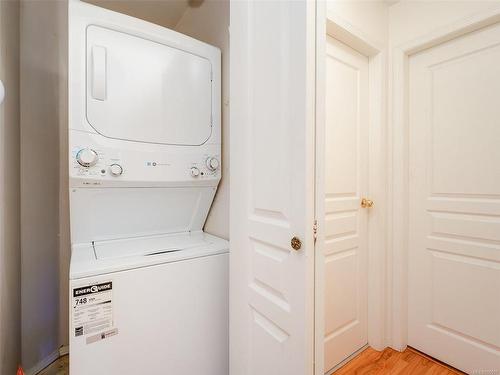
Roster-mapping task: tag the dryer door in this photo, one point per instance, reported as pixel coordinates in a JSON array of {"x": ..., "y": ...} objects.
[{"x": 142, "y": 90}]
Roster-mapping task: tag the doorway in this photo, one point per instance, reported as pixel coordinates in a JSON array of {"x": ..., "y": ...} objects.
[
  {"x": 345, "y": 248},
  {"x": 350, "y": 197}
]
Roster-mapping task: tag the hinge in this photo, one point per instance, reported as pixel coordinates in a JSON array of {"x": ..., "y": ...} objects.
[{"x": 315, "y": 229}]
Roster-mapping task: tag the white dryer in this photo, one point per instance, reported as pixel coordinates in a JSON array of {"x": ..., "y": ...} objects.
[{"x": 148, "y": 288}]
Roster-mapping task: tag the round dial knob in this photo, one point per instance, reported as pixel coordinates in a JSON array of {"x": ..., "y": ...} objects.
[
  {"x": 212, "y": 163},
  {"x": 195, "y": 172},
  {"x": 87, "y": 157},
  {"x": 115, "y": 169}
]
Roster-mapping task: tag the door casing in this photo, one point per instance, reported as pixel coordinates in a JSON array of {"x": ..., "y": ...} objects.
[
  {"x": 398, "y": 167},
  {"x": 329, "y": 23}
]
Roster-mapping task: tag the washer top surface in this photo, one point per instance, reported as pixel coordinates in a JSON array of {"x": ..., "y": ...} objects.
[{"x": 99, "y": 257}]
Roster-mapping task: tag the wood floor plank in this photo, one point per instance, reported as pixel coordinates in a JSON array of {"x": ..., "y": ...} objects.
[
  {"x": 59, "y": 367},
  {"x": 390, "y": 361}
]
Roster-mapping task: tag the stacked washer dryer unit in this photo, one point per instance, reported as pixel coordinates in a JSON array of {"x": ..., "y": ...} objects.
[{"x": 148, "y": 288}]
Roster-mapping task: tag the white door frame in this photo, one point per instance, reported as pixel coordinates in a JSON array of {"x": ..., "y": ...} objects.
[
  {"x": 398, "y": 166},
  {"x": 329, "y": 23}
]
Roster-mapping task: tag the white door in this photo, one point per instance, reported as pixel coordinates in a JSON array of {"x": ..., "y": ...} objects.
[
  {"x": 344, "y": 244},
  {"x": 454, "y": 239},
  {"x": 272, "y": 124}
]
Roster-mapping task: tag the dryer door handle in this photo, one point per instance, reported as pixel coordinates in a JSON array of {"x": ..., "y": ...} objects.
[{"x": 99, "y": 72}]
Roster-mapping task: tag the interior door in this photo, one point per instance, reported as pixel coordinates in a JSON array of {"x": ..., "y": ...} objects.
[
  {"x": 454, "y": 239},
  {"x": 272, "y": 110},
  {"x": 343, "y": 247}
]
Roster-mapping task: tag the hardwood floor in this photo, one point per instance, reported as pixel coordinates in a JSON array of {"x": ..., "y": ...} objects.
[
  {"x": 59, "y": 367},
  {"x": 390, "y": 361}
]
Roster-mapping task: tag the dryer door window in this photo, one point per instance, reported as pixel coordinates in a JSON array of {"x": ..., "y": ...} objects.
[{"x": 141, "y": 90}]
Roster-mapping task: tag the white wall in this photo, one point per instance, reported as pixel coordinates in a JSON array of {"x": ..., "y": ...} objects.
[
  {"x": 371, "y": 18},
  {"x": 42, "y": 116},
  {"x": 410, "y": 20},
  {"x": 210, "y": 23},
  {"x": 10, "y": 254},
  {"x": 162, "y": 12}
]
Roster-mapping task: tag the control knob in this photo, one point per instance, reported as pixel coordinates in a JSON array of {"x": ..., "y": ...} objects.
[
  {"x": 195, "y": 172},
  {"x": 212, "y": 163},
  {"x": 115, "y": 169},
  {"x": 87, "y": 157}
]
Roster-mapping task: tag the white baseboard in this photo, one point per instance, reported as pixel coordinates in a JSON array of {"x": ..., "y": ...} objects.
[
  {"x": 63, "y": 350},
  {"x": 43, "y": 363}
]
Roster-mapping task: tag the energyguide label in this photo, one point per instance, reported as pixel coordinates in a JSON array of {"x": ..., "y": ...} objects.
[{"x": 92, "y": 308}]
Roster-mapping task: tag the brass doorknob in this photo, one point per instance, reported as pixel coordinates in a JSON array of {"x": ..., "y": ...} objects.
[
  {"x": 296, "y": 243},
  {"x": 366, "y": 203}
]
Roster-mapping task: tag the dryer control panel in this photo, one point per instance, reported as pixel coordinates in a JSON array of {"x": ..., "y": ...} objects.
[{"x": 94, "y": 164}]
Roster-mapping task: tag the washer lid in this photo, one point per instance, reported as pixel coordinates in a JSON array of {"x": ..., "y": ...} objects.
[
  {"x": 149, "y": 245},
  {"x": 137, "y": 253},
  {"x": 145, "y": 91},
  {"x": 106, "y": 214}
]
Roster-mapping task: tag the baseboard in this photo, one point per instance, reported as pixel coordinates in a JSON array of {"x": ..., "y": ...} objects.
[
  {"x": 63, "y": 350},
  {"x": 43, "y": 363},
  {"x": 56, "y": 354}
]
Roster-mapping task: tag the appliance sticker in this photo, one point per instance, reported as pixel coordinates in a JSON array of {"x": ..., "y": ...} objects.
[
  {"x": 101, "y": 336},
  {"x": 92, "y": 308}
]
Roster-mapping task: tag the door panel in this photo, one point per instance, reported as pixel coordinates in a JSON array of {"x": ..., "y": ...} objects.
[
  {"x": 137, "y": 88},
  {"x": 345, "y": 223},
  {"x": 454, "y": 242},
  {"x": 271, "y": 166}
]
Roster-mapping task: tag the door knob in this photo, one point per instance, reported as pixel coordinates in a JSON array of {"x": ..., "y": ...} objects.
[
  {"x": 366, "y": 203},
  {"x": 296, "y": 243}
]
